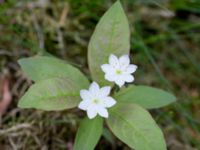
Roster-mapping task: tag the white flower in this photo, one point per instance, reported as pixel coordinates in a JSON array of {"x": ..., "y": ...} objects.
[
  {"x": 119, "y": 70},
  {"x": 96, "y": 100}
]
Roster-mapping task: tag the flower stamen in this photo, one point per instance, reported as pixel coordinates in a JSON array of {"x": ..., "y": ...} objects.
[
  {"x": 118, "y": 71},
  {"x": 95, "y": 101}
]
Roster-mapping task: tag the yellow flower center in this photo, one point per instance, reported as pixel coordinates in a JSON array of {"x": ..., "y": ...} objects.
[
  {"x": 118, "y": 71},
  {"x": 95, "y": 101}
]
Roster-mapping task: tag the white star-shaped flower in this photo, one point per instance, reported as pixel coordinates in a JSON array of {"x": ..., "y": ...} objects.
[
  {"x": 96, "y": 100},
  {"x": 119, "y": 70}
]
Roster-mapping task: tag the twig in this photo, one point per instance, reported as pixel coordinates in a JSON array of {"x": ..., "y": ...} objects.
[
  {"x": 12, "y": 143},
  {"x": 15, "y": 128},
  {"x": 5, "y": 52},
  {"x": 60, "y": 24},
  {"x": 63, "y": 16},
  {"x": 61, "y": 45},
  {"x": 38, "y": 31}
]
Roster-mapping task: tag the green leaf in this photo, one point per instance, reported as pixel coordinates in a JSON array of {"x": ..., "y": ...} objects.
[
  {"x": 42, "y": 67},
  {"x": 108, "y": 136},
  {"x": 88, "y": 134},
  {"x": 111, "y": 36},
  {"x": 134, "y": 126},
  {"x": 147, "y": 97},
  {"x": 51, "y": 94}
]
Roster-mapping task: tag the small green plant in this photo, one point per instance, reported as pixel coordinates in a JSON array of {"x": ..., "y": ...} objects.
[{"x": 60, "y": 86}]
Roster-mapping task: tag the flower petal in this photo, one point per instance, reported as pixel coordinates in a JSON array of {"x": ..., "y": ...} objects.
[
  {"x": 91, "y": 112},
  {"x": 102, "y": 112},
  {"x": 85, "y": 94},
  {"x": 107, "y": 68},
  {"x": 84, "y": 104},
  {"x": 120, "y": 82},
  {"x": 131, "y": 68},
  {"x": 110, "y": 77},
  {"x": 124, "y": 60},
  {"x": 109, "y": 102},
  {"x": 94, "y": 88},
  {"x": 105, "y": 91},
  {"x": 113, "y": 60},
  {"x": 128, "y": 78}
]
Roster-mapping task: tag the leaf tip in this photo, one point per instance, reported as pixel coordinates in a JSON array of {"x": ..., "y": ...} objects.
[
  {"x": 20, "y": 61},
  {"x": 173, "y": 98},
  {"x": 19, "y": 105},
  {"x": 118, "y": 4}
]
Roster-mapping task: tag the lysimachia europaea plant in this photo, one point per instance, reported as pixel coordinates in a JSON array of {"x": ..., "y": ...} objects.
[{"x": 59, "y": 86}]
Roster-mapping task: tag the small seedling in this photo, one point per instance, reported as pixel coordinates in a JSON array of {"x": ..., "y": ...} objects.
[{"x": 60, "y": 86}]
